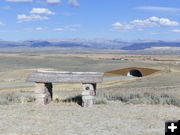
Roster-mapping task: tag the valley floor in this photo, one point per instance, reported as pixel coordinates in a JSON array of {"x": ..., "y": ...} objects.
[{"x": 113, "y": 118}]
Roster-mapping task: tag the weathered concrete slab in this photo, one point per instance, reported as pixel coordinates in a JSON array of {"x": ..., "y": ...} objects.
[{"x": 65, "y": 77}]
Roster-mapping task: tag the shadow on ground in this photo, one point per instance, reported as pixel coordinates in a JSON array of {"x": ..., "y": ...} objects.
[{"x": 77, "y": 99}]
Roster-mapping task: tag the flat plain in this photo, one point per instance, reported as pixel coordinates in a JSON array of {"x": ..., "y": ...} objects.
[{"x": 123, "y": 106}]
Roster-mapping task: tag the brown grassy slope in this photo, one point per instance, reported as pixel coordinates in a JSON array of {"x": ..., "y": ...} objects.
[{"x": 144, "y": 71}]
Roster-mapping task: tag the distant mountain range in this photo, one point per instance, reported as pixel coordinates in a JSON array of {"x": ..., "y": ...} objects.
[
  {"x": 142, "y": 46},
  {"x": 91, "y": 44}
]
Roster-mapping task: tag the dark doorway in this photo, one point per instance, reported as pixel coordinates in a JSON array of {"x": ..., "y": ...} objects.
[
  {"x": 135, "y": 73},
  {"x": 49, "y": 86}
]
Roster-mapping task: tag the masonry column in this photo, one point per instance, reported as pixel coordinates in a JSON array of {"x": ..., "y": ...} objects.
[
  {"x": 88, "y": 94},
  {"x": 43, "y": 93}
]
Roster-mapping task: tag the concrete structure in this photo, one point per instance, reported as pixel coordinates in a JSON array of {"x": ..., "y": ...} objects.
[
  {"x": 132, "y": 71},
  {"x": 44, "y": 80}
]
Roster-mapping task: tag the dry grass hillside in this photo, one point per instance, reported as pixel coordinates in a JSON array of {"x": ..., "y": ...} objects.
[{"x": 122, "y": 106}]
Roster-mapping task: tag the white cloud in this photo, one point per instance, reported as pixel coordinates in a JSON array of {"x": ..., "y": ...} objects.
[
  {"x": 154, "y": 8},
  {"x": 1, "y": 23},
  {"x": 121, "y": 27},
  {"x": 149, "y": 22},
  {"x": 144, "y": 23},
  {"x": 25, "y": 18},
  {"x": 59, "y": 29},
  {"x": 39, "y": 28},
  {"x": 176, "y": 30},
  {"x": 53, "y": 2},
  {"x": 155, "y": 21},
  {"x": 41, "y": 11},
  {"x": 153, "y": 33},
  {"x": 162, "y": 21},
  {"x": 73, "y": 3},
  {"x": 19, "y": 0},
  {"x": 67, "y": 28}
]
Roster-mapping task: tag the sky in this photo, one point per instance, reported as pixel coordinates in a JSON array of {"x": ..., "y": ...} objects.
[{"x": 90, "y": 19}]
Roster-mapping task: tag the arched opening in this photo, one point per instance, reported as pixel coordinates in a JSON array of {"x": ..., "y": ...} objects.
[{"x": 134, "y": 73}]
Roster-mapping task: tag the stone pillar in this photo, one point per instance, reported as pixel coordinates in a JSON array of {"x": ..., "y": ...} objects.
[
  {"x": 88, "y": 94},
  {"x": 43, "y": 93}
]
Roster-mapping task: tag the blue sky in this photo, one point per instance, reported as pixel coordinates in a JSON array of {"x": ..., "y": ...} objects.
[{"x": 90, "y": 19}]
